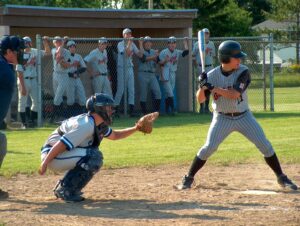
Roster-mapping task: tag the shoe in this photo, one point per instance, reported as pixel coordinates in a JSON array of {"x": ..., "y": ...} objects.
[
  {"x": 67, "y": 197},
  {"x": 3, "y": 194},
  {"x": 187, "y": 183},
  {"x": 285, "y": 182},
  {"x": 207, "y": 111}
]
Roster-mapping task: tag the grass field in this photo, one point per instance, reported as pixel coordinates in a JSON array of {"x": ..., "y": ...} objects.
[{"x": 175, "y": 140}]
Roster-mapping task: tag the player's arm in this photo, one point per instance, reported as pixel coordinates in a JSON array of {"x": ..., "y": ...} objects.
[
  {"x": 122, "y": 133},
  {"x": 200, "y": 94},
  {"x": 128, "y": 46},
  {"x": 58, "y": 148},
  {"x": 239, "y": 87},
  {"x": 186, "y": 47},
  {"x": 46, "y": 46}
]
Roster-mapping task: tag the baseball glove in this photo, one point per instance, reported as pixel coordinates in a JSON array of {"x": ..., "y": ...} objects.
[{"x": 145, "y": 123}]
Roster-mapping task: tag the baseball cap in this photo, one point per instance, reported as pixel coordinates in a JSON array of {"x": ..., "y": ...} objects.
[
  {"x": 57, "y": 38},
  {"x": 172, "y": 39},
  {"x": 205, "y": 30},
  {"x": 71, "y": 43},
  {"x": 13, "y": 43},
  {"x": 126, "y": 30},
  {"x": 102, "y": 40},
  {"x": 27, "y": 39}
]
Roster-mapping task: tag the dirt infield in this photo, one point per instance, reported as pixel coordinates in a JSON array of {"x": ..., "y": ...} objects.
[{"x": 233, "y": 195}]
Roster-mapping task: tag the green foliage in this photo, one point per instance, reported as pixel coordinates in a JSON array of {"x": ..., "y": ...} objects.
[{"x": 294, "y": 68}]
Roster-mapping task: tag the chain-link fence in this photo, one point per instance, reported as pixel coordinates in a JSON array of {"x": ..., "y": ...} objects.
[{"x": 136, "y": 82}]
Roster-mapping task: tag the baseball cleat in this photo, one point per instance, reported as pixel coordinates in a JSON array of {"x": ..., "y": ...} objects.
[
  {"x": 187, "y": 183},
  {"x": 285, "y": 182}
]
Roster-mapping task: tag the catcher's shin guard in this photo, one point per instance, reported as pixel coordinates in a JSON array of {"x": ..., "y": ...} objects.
[{"x": 69, "y": 188}]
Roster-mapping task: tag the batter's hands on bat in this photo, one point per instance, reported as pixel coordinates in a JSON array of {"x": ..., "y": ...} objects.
[{"x": 202, "y": 79}]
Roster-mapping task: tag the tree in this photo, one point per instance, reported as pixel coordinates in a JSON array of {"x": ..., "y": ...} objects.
[{"x": 288, "y": 10}]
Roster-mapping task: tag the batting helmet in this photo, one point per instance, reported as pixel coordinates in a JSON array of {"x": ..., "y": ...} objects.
[
  {"x": 97, "y": 103},
  {"x": 228, "y": 49}
]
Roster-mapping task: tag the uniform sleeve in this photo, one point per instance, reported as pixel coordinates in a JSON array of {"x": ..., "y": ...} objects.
[
  {"x": 89, "y": 57},
  {"x": 135, "y": 48},
  {"x": 104, "y": 130},
  {"x": 213, "y": 49},
  {"x": 195, "y": 49},
  {"x": 82, "y": 63},
  {"x": 121, "y": 47},
  {"x": 77, "y": 135},
  {"x": 243, "y": 81},
  {"x": 162, "y": 55}
]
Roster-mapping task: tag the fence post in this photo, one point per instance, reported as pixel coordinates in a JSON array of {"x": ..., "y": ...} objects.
[
  {"x": 271, "y": 73},
  {"x": 39, "y": 77},
  {"x": 125, "y": 77},
  {"x": 264, "y": 76}
]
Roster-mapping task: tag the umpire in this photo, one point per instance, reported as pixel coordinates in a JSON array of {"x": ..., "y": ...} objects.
[{"x": 11, "y": 53}]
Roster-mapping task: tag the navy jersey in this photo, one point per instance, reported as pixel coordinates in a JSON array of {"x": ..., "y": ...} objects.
[{"x": 7, "y": 85}]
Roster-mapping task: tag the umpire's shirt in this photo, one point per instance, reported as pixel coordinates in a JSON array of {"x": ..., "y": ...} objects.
[{"x": 7, "y": 85}]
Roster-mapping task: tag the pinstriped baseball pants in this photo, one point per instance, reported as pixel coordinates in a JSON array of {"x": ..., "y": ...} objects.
[{"x": 222, "y": 125}]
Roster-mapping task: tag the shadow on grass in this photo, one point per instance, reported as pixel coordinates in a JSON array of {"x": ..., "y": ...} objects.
[{"x": 127, "y": 209}]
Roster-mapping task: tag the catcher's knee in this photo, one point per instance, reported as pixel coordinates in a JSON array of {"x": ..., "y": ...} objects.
[{"x": 93, "y": 160}]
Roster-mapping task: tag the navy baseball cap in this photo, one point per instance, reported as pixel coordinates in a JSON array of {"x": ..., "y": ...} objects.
[{"x": 13, "y": 43}]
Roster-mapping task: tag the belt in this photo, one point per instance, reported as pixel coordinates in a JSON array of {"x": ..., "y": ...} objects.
[
  {"x": 233, "y": 114},
  {"x": 30, "y": 78},
  {"x": 207, "y": 65},
  {"x": 99, "y": 74}
]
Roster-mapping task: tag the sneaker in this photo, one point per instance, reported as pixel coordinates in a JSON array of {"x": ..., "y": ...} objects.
[
  {"x": 66, "y": 195},
  {"x": 187, "y": 183},
  {"x": 285, "y": 182}
]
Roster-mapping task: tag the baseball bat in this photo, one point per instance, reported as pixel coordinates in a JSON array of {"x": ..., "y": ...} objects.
[{"x": 201, "y": 45}]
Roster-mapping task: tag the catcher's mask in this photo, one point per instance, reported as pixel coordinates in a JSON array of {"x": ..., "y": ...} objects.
[{"x": 101, "y": 104}]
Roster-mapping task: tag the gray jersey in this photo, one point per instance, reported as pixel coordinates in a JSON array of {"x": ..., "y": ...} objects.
[
  {"x": 56, "y": 64},
  {"x": 171, "y": 65},
  {"x": 31, "y": 60},
  {"x": 121, "y": 52},
  {"x": 77, "y": 61},
  {"x": 77, "y": 132},
  {"x": 210, "y": 53},
  {"x": 98, "y": 60},
  {"x": 147, "y": 66},
  {"x": 226, "y": 105}
]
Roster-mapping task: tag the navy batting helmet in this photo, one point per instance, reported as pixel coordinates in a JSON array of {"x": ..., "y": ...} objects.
[
  {"x": 97, "y": 103},
  {"x": 13, "y": 43},
  {"x": 228, "y": 49}
]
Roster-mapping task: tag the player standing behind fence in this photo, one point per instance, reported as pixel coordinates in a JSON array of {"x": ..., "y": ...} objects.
[
  {"x": 27, "y": 81},
  {"x": 126, "y": 49},
  {"x": 168, "y": 59},
  {"x": 228, "y": 84},
  {"x": 75, "y": 87},
  {"x": 97, "y": 58},
  {"x": 61, "y": 80},
  {"x": 147, "y": 77},
  {"x": 210, "y": 53},
  {"x": 11, "y": 53}
]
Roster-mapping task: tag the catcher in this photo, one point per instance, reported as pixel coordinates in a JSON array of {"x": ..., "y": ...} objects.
[{"x": 73, "y": 146}]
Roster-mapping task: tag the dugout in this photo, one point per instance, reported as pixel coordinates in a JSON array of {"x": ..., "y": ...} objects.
[{"x": 94, "y": 23}]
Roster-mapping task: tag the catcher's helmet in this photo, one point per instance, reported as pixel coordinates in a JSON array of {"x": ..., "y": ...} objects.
[
  {"x": 228, "y": 49},
  {"x": 97, "y": 103}
]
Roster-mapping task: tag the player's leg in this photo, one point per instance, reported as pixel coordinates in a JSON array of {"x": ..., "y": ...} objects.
[
  {"x": 120, "y": 88},
  {"x": 219, "y": 129},
  {"x": 107, "y": 87},
  {"x": 131, "y": 91},
  {"x": 3, "y": 150},
  {"x": 80, "y": 95},
  {"x": 143, "y": 84},
  {"x": 22, "y": 102},
  {"x": 154, "y": 86},
  {"x": 34, "y": 100},
  {"x": 250, "y": 128},
  {"x": 81, "y": 164},
  {"x": 168, "y": 95},
  {"x": 172, "y": 83}
]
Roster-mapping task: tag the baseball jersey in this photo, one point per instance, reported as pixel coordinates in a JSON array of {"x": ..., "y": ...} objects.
[
  {"x": 173, "y": 58},
  {"x": 7, "y": 85},
  {"x": 238, "y": 80},
  {"x": 147, "y": 66},
  {"x": 77, "y": 131},
  {"x": 74, "y": 59},
  {"x": 56, "y": 65},
  {"x": 31, "y": 60},
  {"x": 121, "y": 51},
  {"x": 98, "y": 60},
  {"x": 210, "y": 53}
]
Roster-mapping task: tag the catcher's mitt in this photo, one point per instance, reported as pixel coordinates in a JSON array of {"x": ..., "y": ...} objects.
[{"x": 145, "y": 123}]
